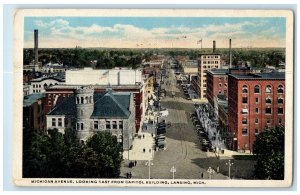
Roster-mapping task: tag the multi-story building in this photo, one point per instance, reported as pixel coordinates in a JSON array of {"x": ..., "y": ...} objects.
[
  {"x": 39, "y": 85},
  {"x": 89, "y": 112},
  {"x": 33, "y": 113},
  {"x": 256, "y": 102},
  {"x": 119, "y": 80},
  {"x": 205, "y": 63},
  {"x": 216, "y": 85}
]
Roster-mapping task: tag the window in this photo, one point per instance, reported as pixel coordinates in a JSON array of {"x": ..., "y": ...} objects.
[
  {"x": 268, "y": 89},
  {"x": 256, "y": 110},
  {"x": 225, "y": 85},
  {"x": 256, "y": 89},
  {"x": 220, "y": 91},
  {"x": 256, "y": 100},
  {"x": 96, "y": 124},
  {"x": 280, "y": 110},
  {"x": 107, "y": 124},
  {"x": 268, "y": 100},
  {"x": 53, "y": 122},
  {"x": 244, "y": 131},
  {"x": 244, "y": 121},
  {"x": 256, "y": 131},
  {"x": 268, "y": 121},
  {"x": 268, "y": 111},
  {"x": 114, "y": 124},
  {"x": 60, "y": 122},
  {"x": 120, "y": 124},
  {"x": 256, "y": 121},
  {"x": 280, "y": 89},
  {"x": 49, "y": 103},
  {"x": 245, "y": 89},
  {"x": 245, "y": 100},
  {"x": 280, "y": 101},
  {"x": 204, "y": 66},
  {"x": 220, "y": 84},
  {"x": 244, "y": 111},
  {"x": 81, "y": 125}
]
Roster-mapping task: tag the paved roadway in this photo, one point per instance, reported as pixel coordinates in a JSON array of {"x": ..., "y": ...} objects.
[{"x": 183, "y": 149}]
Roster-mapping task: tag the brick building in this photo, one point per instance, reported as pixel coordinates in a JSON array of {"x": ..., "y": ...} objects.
[
  {"x": 53, "y": 93},
  {"x": 256, "y": 102},
  {"x": 33, "y": 113}
]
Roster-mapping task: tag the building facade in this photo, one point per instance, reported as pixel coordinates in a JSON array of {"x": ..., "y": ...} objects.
[
  {"x": 39, "y": 85},
  {"x": 256, "y": 102},
  {"x": 34, "y": 113},
  {"x": 205, "y": 63},
  {"x": 89, "y": 112}
]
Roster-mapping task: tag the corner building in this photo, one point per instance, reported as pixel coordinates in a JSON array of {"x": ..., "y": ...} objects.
[{"x": 256, "y": 103}]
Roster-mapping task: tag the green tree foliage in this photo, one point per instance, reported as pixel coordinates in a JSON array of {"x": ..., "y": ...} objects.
[
  {"x": 269, "y": 153},
  {"x": 59, "y": 155}
]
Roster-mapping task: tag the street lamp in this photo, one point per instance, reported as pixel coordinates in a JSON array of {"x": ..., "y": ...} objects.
[
  {"x": 173, "y": 170},
  {"x": 210, "y": 171},
  {"x": 229, "y": 165},
  {"x": 149, "y": 163}
]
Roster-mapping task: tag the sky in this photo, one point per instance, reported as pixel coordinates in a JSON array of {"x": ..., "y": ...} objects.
[{"x": 155, "y": 32}]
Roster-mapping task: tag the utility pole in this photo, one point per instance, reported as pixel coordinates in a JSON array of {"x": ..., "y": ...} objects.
[
  {"x": 173, "y": 170},
  {"x": 229, "y": 165},
  {"x": 149, "y": 164}
]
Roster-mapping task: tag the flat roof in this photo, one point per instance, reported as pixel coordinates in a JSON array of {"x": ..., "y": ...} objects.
[
  {"x": 272, "y": 76},
  {"x": 28, "y": 100},
  {"x": 218, "y": 71}
]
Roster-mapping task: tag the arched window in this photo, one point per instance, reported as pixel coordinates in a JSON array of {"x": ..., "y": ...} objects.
[
  {"x": 256, "y": 89},
  {"x": 81, "y": 100},
  {"x": 268, "y": 100},
  {"x": 45, "y": 85},
  {"x": 280, "y": 101},
  {"x": 245, "y": 89},
  {"x": 268, "y": 89},
  {"x": 86, "y": 99},
  {"x": 280, "y": 89}
]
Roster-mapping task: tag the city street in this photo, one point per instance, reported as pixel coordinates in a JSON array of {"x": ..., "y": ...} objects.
[{"x": 183, "y": 149}]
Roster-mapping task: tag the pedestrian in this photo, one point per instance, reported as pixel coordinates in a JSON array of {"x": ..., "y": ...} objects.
[
  {"x": 135, "y": 163},
  {"x": 144, "y": 150},
  {"x": 202, "y": 175},
  {"x": 127, "y": 175},
  {"x": 130, "y": 175},
  {"x": 143, "y": 136},
  {"x": 152, "y": 134},
  {"x": 218, "y": 169}
]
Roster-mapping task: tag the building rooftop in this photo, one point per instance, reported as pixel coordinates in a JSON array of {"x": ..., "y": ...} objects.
[
  {"x": 218, "y": 71},
  {"x": 271, "y": 76},
  {"x": 106, "y": 105},
  {"x": 58, "y": 78},
  {"x": 32, "y": 98}
]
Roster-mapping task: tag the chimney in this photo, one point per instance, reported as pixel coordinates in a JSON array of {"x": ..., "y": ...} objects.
[
  {"x": 36, "y": 45},
  {"x": 230, "y": 59},
  {"x": 214, "y": 46}
]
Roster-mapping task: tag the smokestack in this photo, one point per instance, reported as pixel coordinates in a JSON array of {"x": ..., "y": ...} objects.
[
  {"x": 36, "y": 46},
  {"x": 214, "y": 46},
  {"x": 230, "y": 59}
]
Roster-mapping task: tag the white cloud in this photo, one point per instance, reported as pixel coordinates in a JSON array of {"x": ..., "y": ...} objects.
[{"x": 126, "y": 35}]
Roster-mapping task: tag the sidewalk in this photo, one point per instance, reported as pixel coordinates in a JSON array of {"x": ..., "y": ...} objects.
[
  {"x": 210, "y": 128},
  {"x": 139, "y": 145}
]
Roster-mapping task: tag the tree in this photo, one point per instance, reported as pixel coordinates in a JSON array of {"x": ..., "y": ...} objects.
[
  {"x": 109, "y": 154},
  {"x": 269, "y": 153},
  {"x": 58, "y": 155}
]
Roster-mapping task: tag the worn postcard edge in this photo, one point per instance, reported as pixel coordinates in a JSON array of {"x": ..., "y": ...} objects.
[{"x": 18, "y": 40}]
